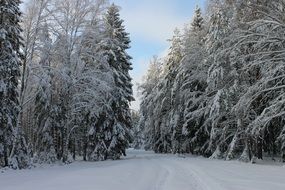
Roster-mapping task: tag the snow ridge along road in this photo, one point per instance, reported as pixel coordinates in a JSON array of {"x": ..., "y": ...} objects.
[{"x": 142, "y": 170}]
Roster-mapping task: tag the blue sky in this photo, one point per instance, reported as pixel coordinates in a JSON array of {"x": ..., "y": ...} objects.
[{"x": 150, "y": 23}]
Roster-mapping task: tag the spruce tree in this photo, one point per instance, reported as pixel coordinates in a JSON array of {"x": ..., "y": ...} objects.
[
  {"x": 117, "y": 41},
  {"x": 94, "y": 91},
  {"x": 220, "y": 83},
  {"x": 12, "y": 145},
  {"x": 170, "y": 109},
  {"x": 149, "y": 89},
  {"x": 192, "y": 75},
  {"x": 198, "y": 20}
]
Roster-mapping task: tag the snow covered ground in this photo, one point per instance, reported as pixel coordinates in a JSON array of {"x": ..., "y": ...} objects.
[{"x": 147, "y": 171}]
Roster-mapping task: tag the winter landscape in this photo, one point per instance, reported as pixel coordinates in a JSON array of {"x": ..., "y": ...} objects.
[{"x": 147, "y": 95}]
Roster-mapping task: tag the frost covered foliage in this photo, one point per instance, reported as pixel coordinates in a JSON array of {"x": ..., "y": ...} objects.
[
  {"x": 13, "y": 150},
  {"x": 158, "y": 92},
  {"x": 138, "y": 135},
  {"x": 75, "y": 88},
  {"x": 147, "y": 106},
  {"x": 115, "y": 43},
  {"x": 225, "y": 96},
  {"x": 261, "y": 107}
]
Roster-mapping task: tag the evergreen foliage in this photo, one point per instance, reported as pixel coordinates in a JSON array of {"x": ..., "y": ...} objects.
[
  {"x": 75, "y": 92},
  {"x": 226, "y": 97},
  {"x": 13, "y": 150}
]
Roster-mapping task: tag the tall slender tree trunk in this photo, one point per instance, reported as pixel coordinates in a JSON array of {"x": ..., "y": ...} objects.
[{"x": 259, "y": 147}]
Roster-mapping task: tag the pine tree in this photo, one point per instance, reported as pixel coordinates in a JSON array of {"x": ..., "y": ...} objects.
[
  {"x": 198, "y": 20},
  {"x": 160, "y": 129},
  {"x": 192, "y": 75},
  {"x": 117, "y": 41},
  {"x": 149, "y": 89},
  {"x": 193, "y": 31},
  {"x": 93, "y": 95},
  {"x": 138, "y": 142},
  {"x": 220, "y": 81},
  {"x": 13, "y": 150},
  {"x": 171, "y": 99}
]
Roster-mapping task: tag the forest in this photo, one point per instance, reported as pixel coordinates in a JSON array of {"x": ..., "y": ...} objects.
[
  {"x": 66, "y": 89},
  {"x": 65, "y": 86},
  {"x": 220, "y": 90}
]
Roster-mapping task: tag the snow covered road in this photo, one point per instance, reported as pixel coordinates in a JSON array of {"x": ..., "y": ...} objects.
[{"x": 147, "y": 171}]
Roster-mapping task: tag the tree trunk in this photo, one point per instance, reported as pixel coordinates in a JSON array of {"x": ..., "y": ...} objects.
[
  {"x": 74, "y": 149},
  {"x": 85, "y": 149},
  {"x": 64, "y": 145},
  {"x": 5, "y": 156},
  {"x": 259, "y": 147}
]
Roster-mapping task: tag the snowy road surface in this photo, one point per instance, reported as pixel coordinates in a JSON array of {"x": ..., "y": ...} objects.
[{"x": 147, "y": 171}]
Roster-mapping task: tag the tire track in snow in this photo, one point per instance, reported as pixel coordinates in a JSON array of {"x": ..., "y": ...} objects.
[
  {"x": 174, "y": 176},
  {"x": 203, "y": 180},
  {"x": 184, "y": 176},
  {"x": 164, "y": 175}
]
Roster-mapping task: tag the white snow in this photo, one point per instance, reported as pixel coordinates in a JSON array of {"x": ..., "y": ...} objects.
[{"x": 142, "y": 170}]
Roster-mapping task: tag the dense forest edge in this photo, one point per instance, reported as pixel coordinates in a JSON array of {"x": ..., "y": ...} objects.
[
  {"x": 220, "y": 90},
  {"x": 65, "y": 87}
]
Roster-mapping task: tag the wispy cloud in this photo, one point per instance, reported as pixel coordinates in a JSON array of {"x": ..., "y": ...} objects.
[{"x": 152, "y": 20}]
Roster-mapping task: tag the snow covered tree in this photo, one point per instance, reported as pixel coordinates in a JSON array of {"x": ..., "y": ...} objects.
[
  {"x": 198, "y": 20},
  {"x": 260, "y": 108},
  {"x": 166, "y": 109},
  {"x": 192, "y": 82},
  {"x": 162, "y": 106},
  {"x": 138, "y": 134},
  {"x": 56, "y": 70},
  {"x": 195, "y": 28},
  {"x": 13, "y": 150},
  {"x": 170, "y": 100},
  {"x": 115, "y": 45},
  {"x": 94, "y": 92},
  {"x": 221, "y": 82},
  {"x": 33, "y": 25},
  {"x": 44, "y": 149},
  {"x": 227, "y": 92},
  {"x": 148, "y": 90},
  {"x": 68, "y": 21}
]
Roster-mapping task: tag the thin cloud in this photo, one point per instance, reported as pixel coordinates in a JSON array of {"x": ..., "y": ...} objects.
[{"x": 152, "y": 20}]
